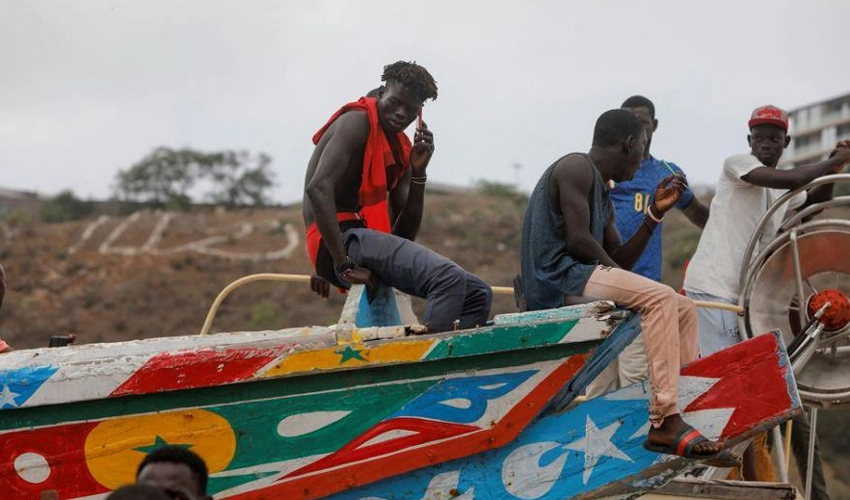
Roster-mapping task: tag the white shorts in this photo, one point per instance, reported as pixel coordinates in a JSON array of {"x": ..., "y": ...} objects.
[{"x": 718, "y": 328}]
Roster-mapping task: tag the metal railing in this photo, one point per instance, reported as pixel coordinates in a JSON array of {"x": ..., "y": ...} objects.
[{"x": 303, "y": 278}]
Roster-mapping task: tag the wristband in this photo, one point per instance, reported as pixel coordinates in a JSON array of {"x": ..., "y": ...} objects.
[
  {"x": 346, "y": 266},
  {"x": 418, "y": 180},
  {"x": 652, "y": 216}
]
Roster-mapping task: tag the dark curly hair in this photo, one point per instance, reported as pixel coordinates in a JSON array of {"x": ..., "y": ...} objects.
[{"x": 414, "y": 77}]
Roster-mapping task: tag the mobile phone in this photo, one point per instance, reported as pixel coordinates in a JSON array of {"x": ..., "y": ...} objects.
[
  {"x": 59, "y": 340},
  {"x": 419, "y": 119}
]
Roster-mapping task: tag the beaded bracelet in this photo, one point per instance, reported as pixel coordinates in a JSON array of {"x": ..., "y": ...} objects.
[{"x": 652, "y": 216}]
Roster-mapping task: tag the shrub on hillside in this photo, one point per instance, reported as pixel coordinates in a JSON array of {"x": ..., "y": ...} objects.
[
  {"x": 502, "y": 190},
  {"x": 65, "y": 207},
  {"x": 19, "y": 219},
  {"x": 266, "y": 315}
]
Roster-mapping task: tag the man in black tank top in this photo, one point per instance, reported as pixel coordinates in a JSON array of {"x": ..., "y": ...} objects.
[{"x": 571, "y": 247}]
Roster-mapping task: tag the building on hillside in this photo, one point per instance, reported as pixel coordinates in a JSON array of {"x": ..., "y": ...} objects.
[
  {"x": 816, "y": 128},
  {"x": 12, "y": 200}
]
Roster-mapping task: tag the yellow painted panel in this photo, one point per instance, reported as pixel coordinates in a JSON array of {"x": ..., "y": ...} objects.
[
  {"x": 351, "y": 355},
  {"x": 115, "y": 448}
]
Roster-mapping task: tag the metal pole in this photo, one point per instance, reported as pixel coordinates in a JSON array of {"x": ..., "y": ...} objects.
[
  {"x": 303, "y": 278},
  {"x": 779, "y": 455},
  {"x": 798, "y": 274},
  {"x": 813, "y": 434},
  {"x": 789, "y": 426}
]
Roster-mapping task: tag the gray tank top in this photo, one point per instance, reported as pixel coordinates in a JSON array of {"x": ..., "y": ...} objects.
[{"x": 549, "y": 272}]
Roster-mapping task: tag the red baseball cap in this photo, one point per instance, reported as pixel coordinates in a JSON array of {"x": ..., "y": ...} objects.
[{"x": 769, "y": 115}]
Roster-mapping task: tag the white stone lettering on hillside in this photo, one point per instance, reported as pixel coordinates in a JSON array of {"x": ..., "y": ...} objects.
[
  {"x": 90, "y": 229},
  {"x": 203, "y": 246}
]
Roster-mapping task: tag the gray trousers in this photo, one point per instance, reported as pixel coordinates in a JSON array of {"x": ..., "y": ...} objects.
[{"x": 451, "y": 293}]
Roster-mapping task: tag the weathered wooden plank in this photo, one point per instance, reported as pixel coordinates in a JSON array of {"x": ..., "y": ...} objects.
[
  {"x": 722, "y": 490},
  {"x": 38, "y": 377},
  {"x": 595, "y": 449}
]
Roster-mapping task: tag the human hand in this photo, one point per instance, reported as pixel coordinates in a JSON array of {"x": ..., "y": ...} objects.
[
  {"x": 363, "y": 276},
  {"x": 319, "y": 286},
  {"x": 667, "y": 193},
  {"x": 842, "y": 151},
  {"x": 423, "y": 149}
]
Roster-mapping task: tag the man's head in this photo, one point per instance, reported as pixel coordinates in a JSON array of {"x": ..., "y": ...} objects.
[
  {"x": 644, "y": 110},
  {"x": 408, "y": 86},
  {"x": 176, "y": 470},
  {"x": 621, "y": 134},
  {"x": 768, "y": 136}
]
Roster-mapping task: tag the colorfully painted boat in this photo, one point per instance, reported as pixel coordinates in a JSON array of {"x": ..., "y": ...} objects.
[{"x": 367, "y": 409}]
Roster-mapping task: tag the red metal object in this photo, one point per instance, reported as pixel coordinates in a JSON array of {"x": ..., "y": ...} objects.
[{"x": 837, "y": 316}]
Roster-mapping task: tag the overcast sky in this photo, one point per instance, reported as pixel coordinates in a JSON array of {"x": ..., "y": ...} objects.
[{"x": 88, "y": 87}]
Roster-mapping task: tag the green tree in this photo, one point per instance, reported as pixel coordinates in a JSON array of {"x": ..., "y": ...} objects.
[
  {"x": 166, "y": 177},
  {"x": 163, "y": 176},
  {"x": 239, "y": 178}
]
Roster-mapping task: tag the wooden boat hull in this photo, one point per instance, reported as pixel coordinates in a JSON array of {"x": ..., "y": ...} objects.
[
  {"x": 594, "y": 450},
  {"x": 302, "y": 413}
]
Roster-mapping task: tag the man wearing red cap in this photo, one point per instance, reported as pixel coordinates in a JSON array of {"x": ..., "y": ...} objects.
[{"x": 749, "y": 184}]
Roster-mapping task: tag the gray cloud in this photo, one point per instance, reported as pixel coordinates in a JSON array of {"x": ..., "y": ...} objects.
[{"x": 90, "y": 87}]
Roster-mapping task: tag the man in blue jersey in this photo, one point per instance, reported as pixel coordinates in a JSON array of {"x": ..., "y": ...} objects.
[{"x": 631, "y": 200}]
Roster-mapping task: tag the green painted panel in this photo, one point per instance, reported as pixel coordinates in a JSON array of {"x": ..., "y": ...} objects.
[
  {"x": 345, "y": 415},
  {"x": 502, "y": 339}
]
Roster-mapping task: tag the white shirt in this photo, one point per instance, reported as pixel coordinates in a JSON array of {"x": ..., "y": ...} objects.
[{"x": 736, "y": 210}]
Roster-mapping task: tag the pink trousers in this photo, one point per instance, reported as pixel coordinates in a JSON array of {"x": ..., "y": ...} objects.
[{"x": 668, "y": 323}]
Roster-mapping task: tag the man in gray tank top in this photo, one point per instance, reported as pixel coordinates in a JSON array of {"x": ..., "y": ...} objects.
[{"x": 571, "y": 247}]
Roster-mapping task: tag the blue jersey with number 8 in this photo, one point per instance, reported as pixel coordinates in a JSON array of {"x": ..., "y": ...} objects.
[{"x": 631, "y": 200}]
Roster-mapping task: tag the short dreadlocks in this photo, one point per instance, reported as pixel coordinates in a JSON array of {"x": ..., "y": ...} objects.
[{"x": 414, "y": 77}]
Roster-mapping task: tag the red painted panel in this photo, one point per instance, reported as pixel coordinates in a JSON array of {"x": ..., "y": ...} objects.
[
  {"x": 752, "y": 380},
  {"x": 172, "y": 371},
  {"x": 63, "y": 448},
  {"x": 425, "y": 431}
]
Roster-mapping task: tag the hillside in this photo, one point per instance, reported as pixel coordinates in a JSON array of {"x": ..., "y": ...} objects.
[{"x": 155, "y": 274}]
